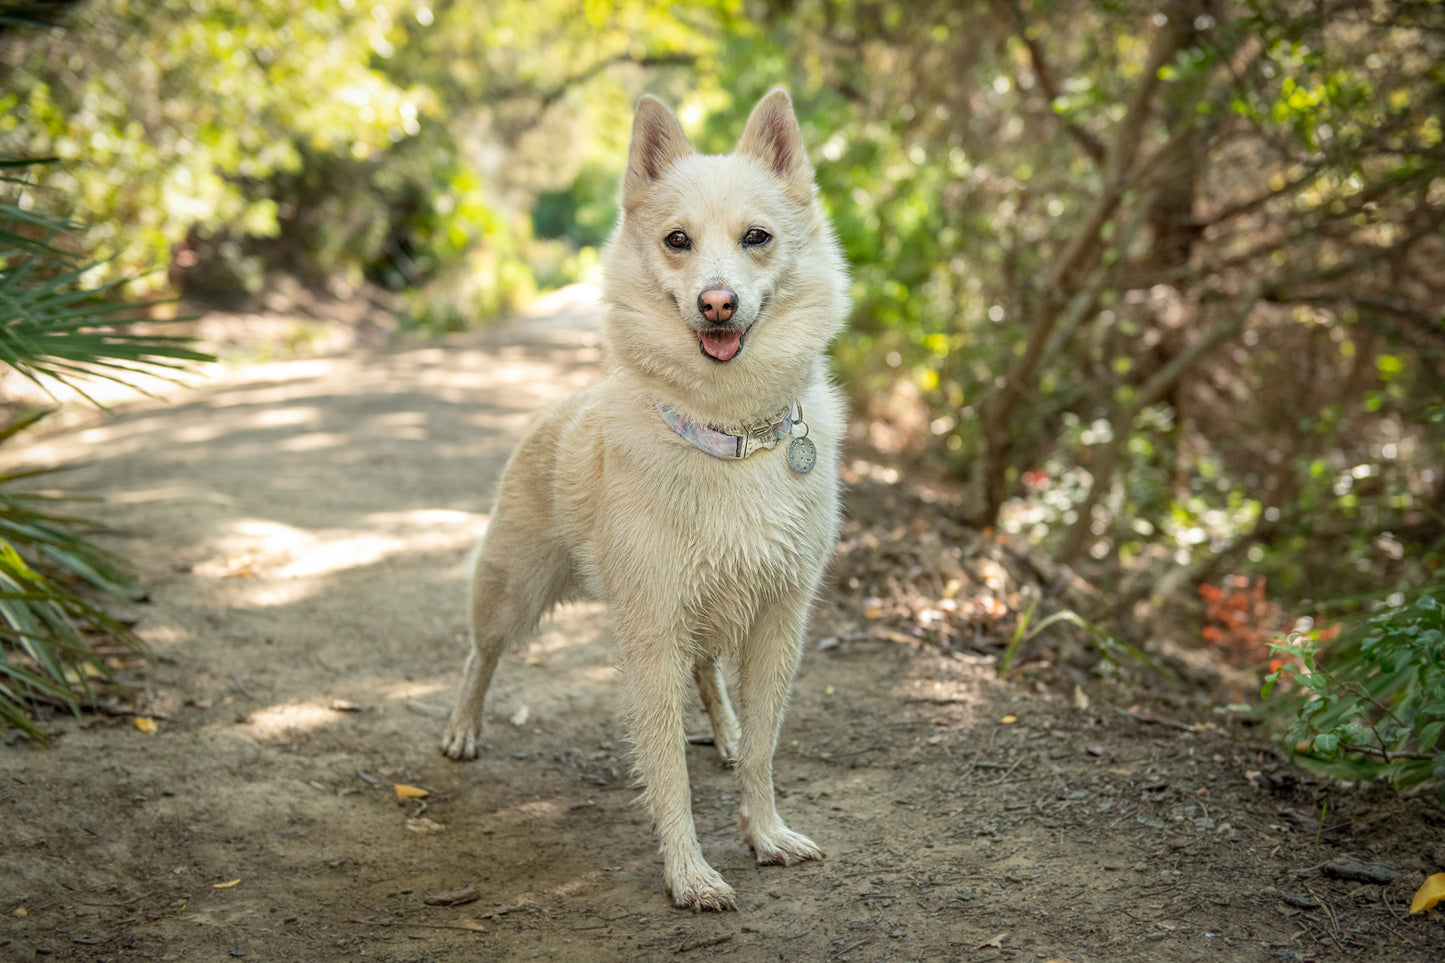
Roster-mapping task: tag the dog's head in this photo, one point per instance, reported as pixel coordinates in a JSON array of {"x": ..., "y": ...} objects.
[{"x": 723, "y": 274}]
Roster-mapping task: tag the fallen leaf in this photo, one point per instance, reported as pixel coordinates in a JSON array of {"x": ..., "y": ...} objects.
[
  {"x": 996, "y": 943},
  {"x": 144, "y": 724},
  {"x": 1429, "y": 893},
  {"x": 230, "y": 885},
  {"x": 410, "y": 792},
  {"x": 1009, "y": 720},
  {"x": 20, "y": 912},
  {"x": 474, "y": 926}
]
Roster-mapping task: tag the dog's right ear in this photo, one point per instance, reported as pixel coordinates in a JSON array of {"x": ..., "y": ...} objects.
[{"x": 657, "y": 143}]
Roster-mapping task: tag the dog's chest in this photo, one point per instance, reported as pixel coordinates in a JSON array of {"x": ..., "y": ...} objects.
[{"x": 761, "y": 519}]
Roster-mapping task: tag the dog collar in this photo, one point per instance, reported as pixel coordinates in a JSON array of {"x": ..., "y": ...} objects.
[{"x": 763, "y": 436}]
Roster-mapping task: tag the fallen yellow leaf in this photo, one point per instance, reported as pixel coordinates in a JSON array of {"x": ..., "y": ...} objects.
[
  {"x": 144, "y": 724},
  {"x": 234, "y": 882},
  {"x": 411, "y": 792},
  {"x": 1007, "y": 720},
  {"x": 1429, "y": 893}
]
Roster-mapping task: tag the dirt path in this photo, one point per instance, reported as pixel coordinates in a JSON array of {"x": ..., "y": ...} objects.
[{"x": 302, "y": 528}]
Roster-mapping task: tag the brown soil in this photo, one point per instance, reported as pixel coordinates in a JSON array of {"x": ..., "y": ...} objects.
[{"x": 302, "y": 528}]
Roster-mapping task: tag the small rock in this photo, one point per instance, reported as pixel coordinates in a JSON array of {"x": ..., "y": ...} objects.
[
  {"x": 456, "y": 897},
  {"x": 1348, "y": 867}
]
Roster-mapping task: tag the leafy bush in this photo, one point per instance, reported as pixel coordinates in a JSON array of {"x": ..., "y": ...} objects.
[
  {"x": 1371, "y": 704},
  {"x": 56, "y": 328}
]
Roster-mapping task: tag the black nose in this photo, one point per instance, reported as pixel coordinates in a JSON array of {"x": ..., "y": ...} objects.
[{"x": 717, "y": 304}]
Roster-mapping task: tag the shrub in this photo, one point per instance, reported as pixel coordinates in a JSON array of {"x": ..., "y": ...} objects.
[
  {"x": 1370, "y": 704},
  {"x": 57, "y": 328}
]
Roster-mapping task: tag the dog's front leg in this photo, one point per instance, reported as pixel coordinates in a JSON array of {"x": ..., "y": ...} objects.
[
  {"x": 767, "y": 661},
  {"x": 656, "y": 673}
]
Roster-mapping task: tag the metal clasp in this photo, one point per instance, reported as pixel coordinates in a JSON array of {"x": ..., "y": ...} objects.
[{"x": 759, "y": 438}]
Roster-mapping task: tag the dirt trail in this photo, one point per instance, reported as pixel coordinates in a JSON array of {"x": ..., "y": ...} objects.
[{"x": 302, "y": 528}]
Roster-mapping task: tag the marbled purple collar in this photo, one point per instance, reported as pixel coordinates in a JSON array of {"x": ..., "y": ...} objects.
[{"x": 728, "y": 445}]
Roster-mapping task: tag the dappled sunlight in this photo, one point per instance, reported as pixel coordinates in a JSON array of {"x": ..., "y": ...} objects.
[
  {"x": 432, "y": 693},
  {"x": 143, "y": 496},
  {"x": 316, "y": 441},
  {"x": 289, "y": 416},
  {"x": 160, "y": 637},
  {"x": 266, "y": 552},
  {"x": 954, "y": 690},
  {"x": 287, "y": 719},
  {"x": 559, "y": 632}
]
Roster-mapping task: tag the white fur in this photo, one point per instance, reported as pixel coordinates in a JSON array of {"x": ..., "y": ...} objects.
[{"x": 698, "y": 559}]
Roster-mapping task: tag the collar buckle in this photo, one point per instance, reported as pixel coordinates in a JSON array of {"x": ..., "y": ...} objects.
[{"x": 764, "y": 437}]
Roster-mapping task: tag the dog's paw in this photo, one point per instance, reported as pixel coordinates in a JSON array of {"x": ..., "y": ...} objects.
[
  {"x": 727, "y": 749},
  {"x": 783, "y": 846},
  {"x": 462, "y": 743},
  {"x": 705, "y": 892}
]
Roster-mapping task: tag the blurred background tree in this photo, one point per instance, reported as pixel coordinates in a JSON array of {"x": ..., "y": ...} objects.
[{"x": 1159, "y": 287}]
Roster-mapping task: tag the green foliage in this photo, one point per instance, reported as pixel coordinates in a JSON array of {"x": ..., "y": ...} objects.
[
  {"x": 54, "y": 325},
  {"x": 1111, "y": 650},
  {"x": 169, "y": 116},
  {"x": 1370, "y": 704},
  {"x": 46, "y": 624},
  {"x": 1129, "y": 280},
  {"x": 57, "y": 328},
  {"x": 394, "y": 141}
]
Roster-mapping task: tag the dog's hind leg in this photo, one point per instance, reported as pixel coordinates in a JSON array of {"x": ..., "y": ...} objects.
[
  {"x": 767, "y": 660},
  {"x": 509, "y": 597},
  {"x": 711, "y": 685}
]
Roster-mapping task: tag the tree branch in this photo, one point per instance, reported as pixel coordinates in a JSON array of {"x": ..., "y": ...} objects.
[
  {"x": 1149, "y": 393},
  {"x": 1044, "y": 75}
]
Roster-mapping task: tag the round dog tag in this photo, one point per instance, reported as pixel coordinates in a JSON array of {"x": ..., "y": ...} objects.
[{"x": 802, "y": 455}]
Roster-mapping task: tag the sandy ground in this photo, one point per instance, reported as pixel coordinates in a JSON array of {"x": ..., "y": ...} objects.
[{"x": 302, "y": 528}]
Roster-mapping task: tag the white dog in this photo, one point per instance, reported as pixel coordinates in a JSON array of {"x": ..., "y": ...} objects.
[{"x": 695, "y": 489}]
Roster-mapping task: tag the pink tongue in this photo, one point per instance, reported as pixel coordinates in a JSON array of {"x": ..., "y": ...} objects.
[{"x": 722, "y": 345}]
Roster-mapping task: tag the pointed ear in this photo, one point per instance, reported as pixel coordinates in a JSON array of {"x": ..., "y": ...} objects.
[
  {"x": 772, "y": 136},
  {"x": 657, "y": 143}
]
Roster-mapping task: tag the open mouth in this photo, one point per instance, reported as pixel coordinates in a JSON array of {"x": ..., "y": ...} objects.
[{"x": 721, "y": 346}]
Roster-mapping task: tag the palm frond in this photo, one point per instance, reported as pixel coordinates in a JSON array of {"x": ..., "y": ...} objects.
[{"x": 57, "y": 327}]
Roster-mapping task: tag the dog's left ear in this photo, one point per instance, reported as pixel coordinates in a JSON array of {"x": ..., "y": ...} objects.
[{"x": 772, "y": 136}]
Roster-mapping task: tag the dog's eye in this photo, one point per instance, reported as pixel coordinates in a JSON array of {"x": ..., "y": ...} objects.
[
  {"x": 678, "y": 241},
  {"x": 756, "y": 237}
]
